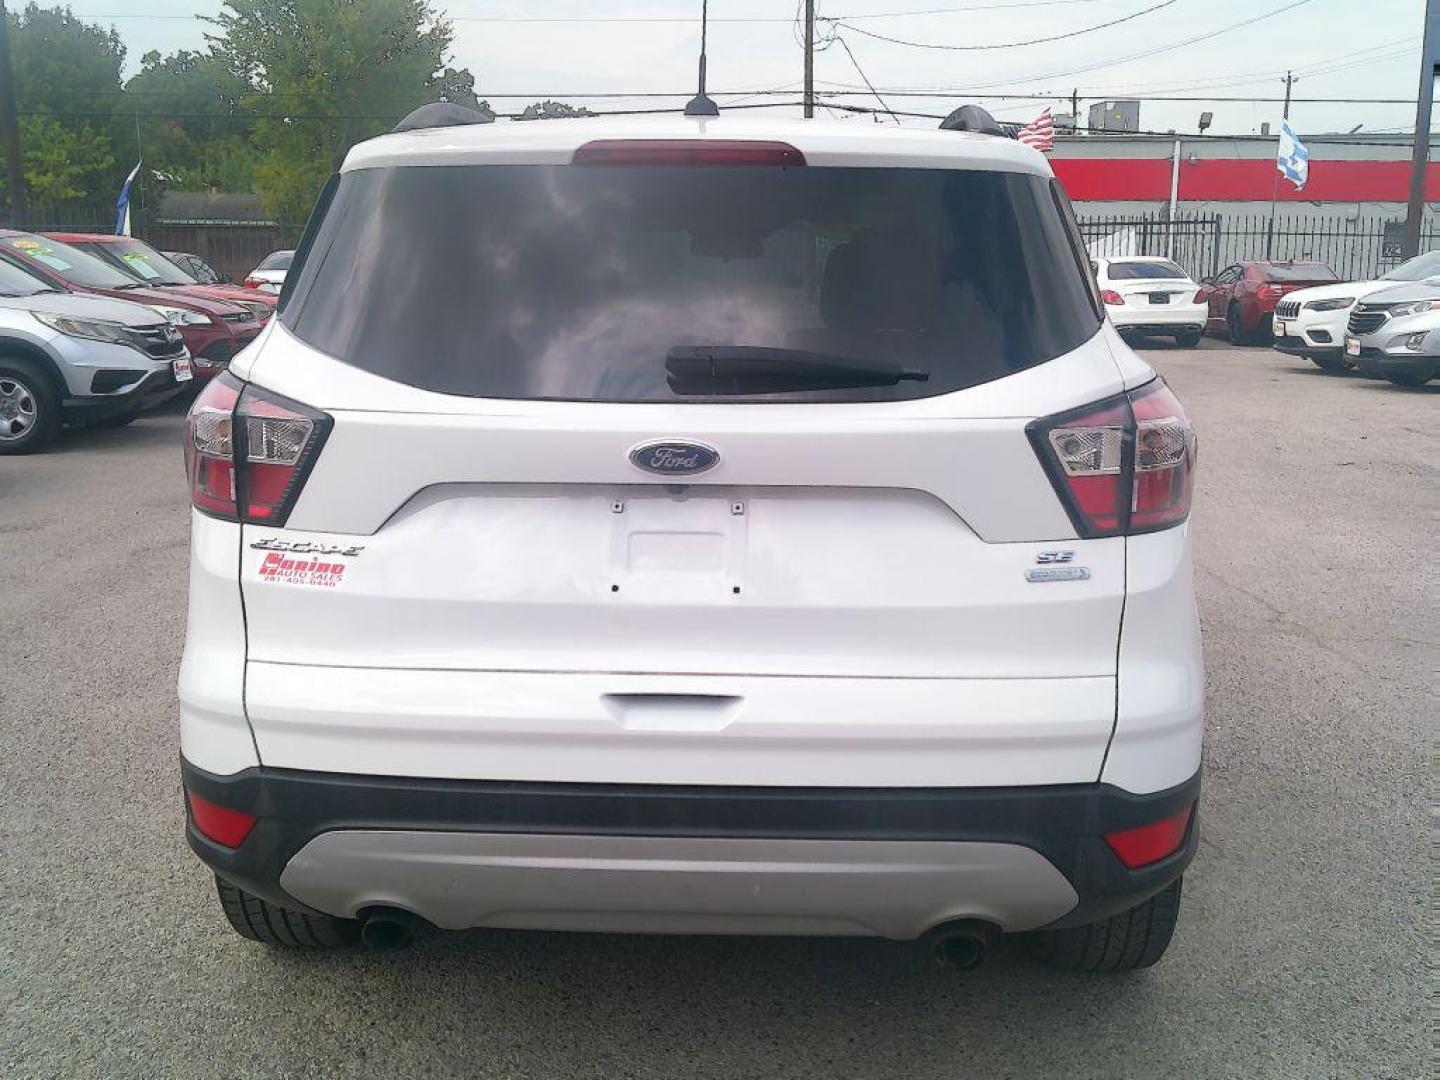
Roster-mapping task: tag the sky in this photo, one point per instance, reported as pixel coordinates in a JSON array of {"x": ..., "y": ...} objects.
[{"x": 566, "y": 49}]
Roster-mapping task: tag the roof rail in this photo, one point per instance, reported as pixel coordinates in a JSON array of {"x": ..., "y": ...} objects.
[
  {"x": 440, "y": 114},
  {"x": 972, "y": 118}
]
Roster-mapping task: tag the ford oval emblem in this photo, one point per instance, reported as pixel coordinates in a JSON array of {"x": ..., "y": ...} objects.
[{"x": 674, "y": 458}]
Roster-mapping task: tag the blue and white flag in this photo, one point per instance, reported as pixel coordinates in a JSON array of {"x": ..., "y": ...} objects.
[
  {"x": 122, "y": 205},
  {"x": 1292, "y": 159}
]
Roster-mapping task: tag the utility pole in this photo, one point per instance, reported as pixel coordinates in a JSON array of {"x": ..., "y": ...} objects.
[
  {"x": 1290, "y": 81},
  {"x": 1420, "y": 158},
  {"x": 1075, "y": 108},
  {"x": 809, "y": 58},
  {"x": 10, "y": 126}
]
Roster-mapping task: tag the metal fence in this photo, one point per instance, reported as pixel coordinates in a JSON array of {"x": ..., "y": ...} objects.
[{"x": 1204, "y": 244}]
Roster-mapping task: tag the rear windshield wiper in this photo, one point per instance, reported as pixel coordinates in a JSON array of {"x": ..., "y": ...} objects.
[{"x": 753, "y": 369}]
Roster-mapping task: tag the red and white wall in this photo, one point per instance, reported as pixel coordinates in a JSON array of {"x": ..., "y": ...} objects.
[{"x": 1350, "y": 176}]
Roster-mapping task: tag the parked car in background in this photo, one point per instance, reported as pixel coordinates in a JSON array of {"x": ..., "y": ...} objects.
[
  {"x": 197, "y": 268},
  {"x": 145, "y": 264},
  {"x": 1311, "y": 322},
  {"x": 1151, "y": 296},
  {"x": 213, "y": 330},
  {"x": 1395, "y": 333},
  {"x": 1242, "y": 297},
  {"x": 73, "y": 358},
  {"x": 269, "y": 276},
  {"x": 868, "y": 519}
]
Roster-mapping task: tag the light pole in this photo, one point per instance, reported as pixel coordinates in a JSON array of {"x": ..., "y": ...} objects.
[{"x": 1420, "y": 158}]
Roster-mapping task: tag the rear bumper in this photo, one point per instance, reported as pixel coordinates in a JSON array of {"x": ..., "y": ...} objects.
[
  {"x": 887, "y": 861},
  {"x": 1160, "y": 319}
]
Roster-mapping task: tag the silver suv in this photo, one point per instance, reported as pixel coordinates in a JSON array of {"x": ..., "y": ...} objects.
[
  {"x": 1395, "y": 334},
  {"x": 66, "y": 358}
]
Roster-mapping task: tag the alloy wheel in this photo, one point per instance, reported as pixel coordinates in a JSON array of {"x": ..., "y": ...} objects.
[{"x": 19, "y": 410}]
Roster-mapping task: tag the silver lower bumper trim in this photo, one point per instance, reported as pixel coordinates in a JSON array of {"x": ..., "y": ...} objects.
[{"x": 702, "y": 885}]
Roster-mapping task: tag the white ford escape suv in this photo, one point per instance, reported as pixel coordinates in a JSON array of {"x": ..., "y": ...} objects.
[{"x": 706, "y": 526}]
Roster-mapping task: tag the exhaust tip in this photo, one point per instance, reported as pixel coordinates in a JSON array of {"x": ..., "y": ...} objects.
[
  {"x": 962, "y": 944},
  {"x": 385, "y": 929},
  {"x": 961, "y": 952}
]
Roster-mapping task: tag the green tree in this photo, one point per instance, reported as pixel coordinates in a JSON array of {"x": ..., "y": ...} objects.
[
  {"x": 67, "y": 86},
  {"x": 64, "y": 66},
  {"x": 326, "y": 74},
  {"x": 62, "y": 163},
  {"x": 552, "y": 110},
  {"x": 196, "y": 128}
]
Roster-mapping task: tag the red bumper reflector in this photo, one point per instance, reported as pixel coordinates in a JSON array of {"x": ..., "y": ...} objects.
[
  {"x": 219, "y": 823},
  {"x": 1150, "y": 843}
]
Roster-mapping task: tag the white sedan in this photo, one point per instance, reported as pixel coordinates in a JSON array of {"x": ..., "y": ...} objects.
[
  {"x": 269, "y": 276},
  {"x": 1151, "y": 296}
]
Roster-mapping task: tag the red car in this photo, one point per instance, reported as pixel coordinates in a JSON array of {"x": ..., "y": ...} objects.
[
  {"x": 213, "y": 330},
  {"x": 145, "y": 264},
  {"x": 1242, "y": 297}
]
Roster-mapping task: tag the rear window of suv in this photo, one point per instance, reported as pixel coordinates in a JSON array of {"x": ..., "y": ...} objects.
[{"x": 573, "y": 282}]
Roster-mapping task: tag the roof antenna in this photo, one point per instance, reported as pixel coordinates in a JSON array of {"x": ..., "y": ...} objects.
[{"x": 700, "y": 105}]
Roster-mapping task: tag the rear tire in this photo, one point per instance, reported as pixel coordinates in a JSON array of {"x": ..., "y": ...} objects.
[
  {"x": 1330, "y": 363},
  {"x": 1128, "y": 941},
  {"x": 1234, "y": 326},
  {"x": 1188, "y": 341},
  {"x": 1404, "y": 378},
  {"x": 29, "y": 407},
  {"x": 282, "y": 928}
]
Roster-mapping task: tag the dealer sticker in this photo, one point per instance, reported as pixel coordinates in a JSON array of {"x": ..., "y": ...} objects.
[{"x": 316, "y": 572}]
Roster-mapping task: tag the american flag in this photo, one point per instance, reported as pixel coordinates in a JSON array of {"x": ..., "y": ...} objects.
[{"x": 1039, "y": 133}]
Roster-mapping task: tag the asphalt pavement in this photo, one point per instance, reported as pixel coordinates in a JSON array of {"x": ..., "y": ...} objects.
[{"x": 1304, "y": 942}]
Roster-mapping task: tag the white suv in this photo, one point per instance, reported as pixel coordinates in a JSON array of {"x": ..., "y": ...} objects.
[{"x": 707, "y": 526}]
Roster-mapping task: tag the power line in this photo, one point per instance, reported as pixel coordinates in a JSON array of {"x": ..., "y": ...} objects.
[
  {"x": 1006, "y": 44},
  {"x": 968, "y": 7},
  {"x": 676, "y": 109},
  {"x": 845, "y": 45},
  {"x": 558, "y": 19},
  {"x": 1243, "y": 78},
  {"x": 1150, "y": 52},
  {"x": 846, "y": 89}
]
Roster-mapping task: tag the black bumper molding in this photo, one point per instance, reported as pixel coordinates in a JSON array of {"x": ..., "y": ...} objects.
[
  {"x": 1064, "y": 823},
  {"x": 152, "y": 390}
]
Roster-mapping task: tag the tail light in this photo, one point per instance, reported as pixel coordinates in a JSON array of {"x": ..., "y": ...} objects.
[
  {"x": 248, "y": 452},
  {"x": 1270, "y": 292},
  {"x": 1150, "y": 843},
  {"x": 225, "y": 826},
  {"x": 1111, "y": 297},
  {"x": 1201, "y": 296},
  {"x": 251, "y": 283},
  {"x": 1123, "y": 465}
]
